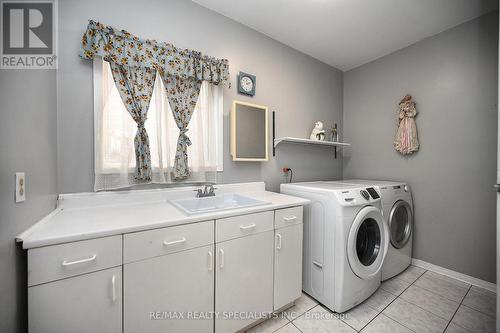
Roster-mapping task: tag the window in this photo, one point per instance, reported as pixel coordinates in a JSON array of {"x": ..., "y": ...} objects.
[{"x": 115, "y": 130}]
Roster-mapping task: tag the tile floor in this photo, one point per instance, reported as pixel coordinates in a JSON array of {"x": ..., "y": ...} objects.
[{"x": 414, "y": 301}]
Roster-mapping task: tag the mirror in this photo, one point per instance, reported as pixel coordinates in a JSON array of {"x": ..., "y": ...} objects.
[{"x": 249, "y": 132}]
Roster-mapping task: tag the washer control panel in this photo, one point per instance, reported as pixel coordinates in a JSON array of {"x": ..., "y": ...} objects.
[{"x": 358, "y": 196}]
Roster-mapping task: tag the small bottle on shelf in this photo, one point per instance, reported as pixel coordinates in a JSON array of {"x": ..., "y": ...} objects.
[{"x": 334, "y": 136}]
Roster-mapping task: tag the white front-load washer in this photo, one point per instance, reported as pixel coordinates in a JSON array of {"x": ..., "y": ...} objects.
[
  {"x": 397, "y": 208},
  {"x": 345, "y": 242}
]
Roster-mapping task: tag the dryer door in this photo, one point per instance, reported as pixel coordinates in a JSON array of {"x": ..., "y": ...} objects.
[
  {"x": 400, "y": 223},
  {"x": 367, "y": 243}
]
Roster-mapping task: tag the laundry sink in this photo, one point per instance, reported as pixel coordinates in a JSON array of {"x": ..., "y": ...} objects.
[{"x": 216, "y": 203}]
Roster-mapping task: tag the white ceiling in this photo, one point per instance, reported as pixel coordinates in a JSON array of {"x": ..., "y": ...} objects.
[{"x": 349, "y": 33}]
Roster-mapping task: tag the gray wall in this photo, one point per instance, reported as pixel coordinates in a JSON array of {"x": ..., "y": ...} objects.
[
  {"x": 453, "y": 78},
  {"x": 301, "y": 89},
  {"x": 27, "y": 144}
]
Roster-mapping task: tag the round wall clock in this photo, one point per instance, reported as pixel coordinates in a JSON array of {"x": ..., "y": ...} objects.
[{"x": 246, "y": 84}]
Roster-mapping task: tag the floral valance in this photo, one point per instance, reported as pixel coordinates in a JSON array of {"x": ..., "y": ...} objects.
[{"x": 123, "y": 48}]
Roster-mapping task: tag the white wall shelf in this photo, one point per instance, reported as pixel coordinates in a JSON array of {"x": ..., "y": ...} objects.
[
  {"x": 309, "y": 142},
  {"x": 288, "y": 139}
]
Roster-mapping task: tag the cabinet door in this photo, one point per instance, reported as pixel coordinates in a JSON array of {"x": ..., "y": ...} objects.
[
  {"x": 170, "y": 292},
  {"x": 244, "y": 281},
  {"x": 287, "y": 265},
  {"x": 86, "y": 303}
]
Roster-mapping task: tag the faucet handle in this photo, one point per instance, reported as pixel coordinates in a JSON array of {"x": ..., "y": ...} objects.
[{"x": 209, "y": 190}]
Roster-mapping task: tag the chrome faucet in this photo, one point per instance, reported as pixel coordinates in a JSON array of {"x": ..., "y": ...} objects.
[{"x": 207, "y": 191}]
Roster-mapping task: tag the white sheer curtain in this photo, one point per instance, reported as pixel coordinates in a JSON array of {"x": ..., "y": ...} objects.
[{"x": 115, "y": 131}]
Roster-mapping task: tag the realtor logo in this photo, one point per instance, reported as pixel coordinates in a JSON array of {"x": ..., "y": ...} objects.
[{"x": 28, "y": 34}]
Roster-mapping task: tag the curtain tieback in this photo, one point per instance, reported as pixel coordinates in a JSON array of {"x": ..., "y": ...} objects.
[{"x": 184, "y": 136}]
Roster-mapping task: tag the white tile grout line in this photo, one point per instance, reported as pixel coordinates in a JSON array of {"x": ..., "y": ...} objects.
[
  {"x": 327, "y": 309},
  {"x": 418, "y": 306},
  {"x": 292, "y": 321},
  {"x": 315, "y": 306},
  {"x": 355, "y": 330},
  {"x": 459, "y": 305},
  {"x": 444, "y": 295},
  {"x": 449, "y": 321},
  {"x": 471, "y": 308},
  {"x": 397, "y": 296},
  {"x": 288, "y": 322},
  {"x": 307, "y": 309},
  {"x": 409, "y": 329},
  {"x": 296, "y": 327}
]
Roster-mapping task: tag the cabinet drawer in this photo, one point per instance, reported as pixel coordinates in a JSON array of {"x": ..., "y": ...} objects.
[
  {"x": 56, "y": 262},
  {"x": 153, "y": 243},
  {"x": 288, "y": 216},
  {"x": 238, "y": 226}
]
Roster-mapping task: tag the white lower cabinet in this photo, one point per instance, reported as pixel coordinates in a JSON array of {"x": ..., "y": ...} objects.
[
  {"x": 287, "y": 265},
  {"x": 170, "y": 293},
  {"x": 244, "y": 280},
  {"x": 85, "y": 303},
  {"x": 218, "y": 275}
]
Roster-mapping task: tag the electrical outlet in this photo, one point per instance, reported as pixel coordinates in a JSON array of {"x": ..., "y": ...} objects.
[
  {"x": 287, "y": 174},
  {"x": 20, "y": 187}
]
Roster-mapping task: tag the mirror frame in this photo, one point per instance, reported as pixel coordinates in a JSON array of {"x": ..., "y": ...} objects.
[{"x": 233, "y": 133}]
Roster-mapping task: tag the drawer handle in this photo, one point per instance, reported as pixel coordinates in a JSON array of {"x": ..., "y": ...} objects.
[
  {"x": 113, "y": 286},
  {"x": 247, "y": 227},
  {"x": 182, "y": 240},
  {"x": 317, "y": 264},
  {"x": 291, "y": 218},
  {"x": 278, "y": 242},
  {"x": 210, "y": 261},
  {"x": 69, "y": 263},
  {"x": 221, "y": 265}
]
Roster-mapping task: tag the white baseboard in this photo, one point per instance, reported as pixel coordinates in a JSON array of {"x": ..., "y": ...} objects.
[{"x": 456, "y": 275}]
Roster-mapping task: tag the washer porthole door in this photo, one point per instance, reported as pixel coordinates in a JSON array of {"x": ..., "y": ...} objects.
[
  {"x": 400, "y": 224},
  {"x": 367, "y": 243}
]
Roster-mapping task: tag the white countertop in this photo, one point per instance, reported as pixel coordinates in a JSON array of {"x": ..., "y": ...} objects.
[{"x": 93, "y": 215}]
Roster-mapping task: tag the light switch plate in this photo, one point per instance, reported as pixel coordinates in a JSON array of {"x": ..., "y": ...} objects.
[{"x": 20, "y": 187}]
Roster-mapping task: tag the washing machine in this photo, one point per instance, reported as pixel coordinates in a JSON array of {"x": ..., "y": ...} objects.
[
  {"x": 397, "y": 208},
  {"x": 345, "y": 242}
]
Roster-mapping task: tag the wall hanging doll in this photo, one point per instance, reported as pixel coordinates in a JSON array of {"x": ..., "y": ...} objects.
[{"x": 406, "y": 141}]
